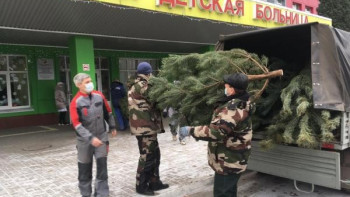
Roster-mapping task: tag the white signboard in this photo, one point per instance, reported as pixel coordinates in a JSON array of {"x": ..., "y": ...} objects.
[
  {"x": 46, "y": 69},
  {"x": 86, "y": 67}
]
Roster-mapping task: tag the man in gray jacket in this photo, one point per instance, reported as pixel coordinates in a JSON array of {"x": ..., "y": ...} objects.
[{"x": 89, "y": 110}]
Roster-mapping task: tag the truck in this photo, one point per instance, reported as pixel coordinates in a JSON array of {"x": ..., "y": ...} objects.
[{"x": 327, "y": 51}]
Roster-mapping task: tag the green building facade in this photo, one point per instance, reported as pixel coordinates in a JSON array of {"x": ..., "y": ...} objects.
[
  {"x": 45, "y": 42},
  {"x": 29, "y": 74}
]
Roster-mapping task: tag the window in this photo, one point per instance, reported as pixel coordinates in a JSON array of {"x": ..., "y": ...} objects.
[
  {"x": 281, "y": 2},
  {"x": 102, "y": 76},
  {"x": 101, "y": 70},
  {"x": 128, "y": 66},
  {"x": 308, "y": 9},
  {"x": 14, "y": 85},
  {"x": 296, "y": 6},
  {"x": 278, "y": 2},
  {"x": 65, "y": 75}
]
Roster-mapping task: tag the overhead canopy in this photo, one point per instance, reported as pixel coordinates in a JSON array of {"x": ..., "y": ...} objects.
[
  {"x": 324, "y": 48},
  {"x": 43, "y": 22}
]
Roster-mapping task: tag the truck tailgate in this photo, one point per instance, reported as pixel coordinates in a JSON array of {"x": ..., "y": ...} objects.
[{"x": 307, "y": 165}]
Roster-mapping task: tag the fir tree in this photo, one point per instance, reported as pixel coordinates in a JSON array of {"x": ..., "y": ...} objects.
[
  {"x": 284, "y": 105},
  {"x": 297, "y": 121},
  {"x": 200, "y": 79},
  {"x": 338, "y": 11}
]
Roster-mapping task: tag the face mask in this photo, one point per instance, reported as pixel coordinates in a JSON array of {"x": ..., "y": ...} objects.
[
  {"x": 89, "y": 87},
  {"x": 226, "y": 92}
]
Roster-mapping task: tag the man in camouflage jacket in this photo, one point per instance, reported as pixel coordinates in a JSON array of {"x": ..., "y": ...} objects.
[
  {"x": 145, "y": 123},
  {"x": 229, "y": 135}
]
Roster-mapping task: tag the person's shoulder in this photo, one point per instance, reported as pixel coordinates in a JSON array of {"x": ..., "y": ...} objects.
[
  {"x": 236, "y": 104},
  {"x": 141, "y": 83},
  {"x": 98, "y": 93},
  {"x": 76, "y": 97}
]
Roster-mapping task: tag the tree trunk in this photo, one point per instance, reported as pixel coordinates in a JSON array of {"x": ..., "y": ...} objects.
[{"x": 269, "y": 75}]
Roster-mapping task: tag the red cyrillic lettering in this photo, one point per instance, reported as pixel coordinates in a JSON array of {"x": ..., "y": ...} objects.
[
  {"x": 295, "y": 19},
  {"x": 306, "y": 19},
  {"x": 192, "y": 3},
  {"x": 180, "y": 3},
  {"x": 240, "y": 7},
  {"x": 282, "y": 18},
  {"x": 203, "y": 6},
  {"x": 258, "y": 14},
  {"x": 289, "y": 18},
  {"x": 229, "y": 8},
  {"x": 276, "y": 18},
  {"x": 267, "y": 13},
  {"x": 216, "y": 6},
  {"x": 161, "y": 2}
]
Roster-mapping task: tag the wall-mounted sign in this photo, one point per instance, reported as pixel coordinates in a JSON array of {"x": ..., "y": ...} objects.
[
  {"x": 231, "y": 7},
  {"x": 255, "y": 13},
  {"x": 86, "y": 67},
  {"x": 267, "y": 13},
  {"x": 46, "y": 69}
]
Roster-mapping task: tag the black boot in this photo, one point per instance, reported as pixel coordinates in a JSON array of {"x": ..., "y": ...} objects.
[
  {"x": 142, "y": 187},
  {"x": 155, "y": 186},
  {"x": 144, "y": 191}
]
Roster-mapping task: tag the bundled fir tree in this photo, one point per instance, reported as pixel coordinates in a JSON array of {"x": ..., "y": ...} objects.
[
  {"x": 285, "y": 108},
  {"x": 200, "y": 81},
  {"x": 298, "y": 122}
]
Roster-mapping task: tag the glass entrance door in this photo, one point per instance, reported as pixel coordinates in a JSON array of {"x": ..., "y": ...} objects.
[
  {"x": 128, "y": 67},
  {"x": 65, "y": 76},
  {"x": 102, "y": 76}
]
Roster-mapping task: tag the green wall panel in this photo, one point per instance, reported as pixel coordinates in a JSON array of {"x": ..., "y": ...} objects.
[
  {"x": 81, "y": 52},
  {"x": 42, "y": 91}
]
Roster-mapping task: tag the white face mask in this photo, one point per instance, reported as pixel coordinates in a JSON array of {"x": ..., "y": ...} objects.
[
  {"x": 226, "y": 92},
  {"x": 89, "y": 87}
]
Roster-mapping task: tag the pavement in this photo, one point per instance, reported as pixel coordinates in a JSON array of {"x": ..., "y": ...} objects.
[{"x": 41, "y": 162}]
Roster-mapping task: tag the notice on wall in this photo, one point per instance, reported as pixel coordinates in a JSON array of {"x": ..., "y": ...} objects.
[
  {"x": 46, "y": 69},
  {"x": 86, "y": 67}
]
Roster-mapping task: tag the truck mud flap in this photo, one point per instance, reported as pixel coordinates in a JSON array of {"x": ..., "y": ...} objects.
[{"x": 311, "y": 166}]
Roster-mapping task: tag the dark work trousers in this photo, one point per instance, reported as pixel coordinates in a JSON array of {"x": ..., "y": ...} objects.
[
  {"x": 149, "y": 161},
  {"x": 226, "y": 185},
  {"x": 120, "y": 118},
  {"x": 85, "y": 155},
  {"x": 62, "y": 117}
]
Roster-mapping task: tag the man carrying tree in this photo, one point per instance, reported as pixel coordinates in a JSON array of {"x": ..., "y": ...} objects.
[
  {"x": 229, "y": 135},
  {"x": 145, "y": 123}
]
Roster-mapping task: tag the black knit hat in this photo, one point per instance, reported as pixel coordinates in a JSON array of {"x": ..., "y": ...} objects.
[{"x": 238, "y": 80}]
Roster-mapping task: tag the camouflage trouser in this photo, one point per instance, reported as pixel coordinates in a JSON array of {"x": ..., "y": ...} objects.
[
  {"x": 148, "y": 167},
  {"x": 226, "y": 185}
]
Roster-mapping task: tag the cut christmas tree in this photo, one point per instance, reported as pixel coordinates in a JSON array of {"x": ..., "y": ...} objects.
[
  {"x": 200, "y": 81},
  {"x": 284, "y": 106}
]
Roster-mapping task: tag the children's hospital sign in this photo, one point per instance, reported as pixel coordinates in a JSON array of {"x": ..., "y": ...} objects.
[
  {"x": 227, "y": 6},
  {"x": 246, "y": 12}
]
